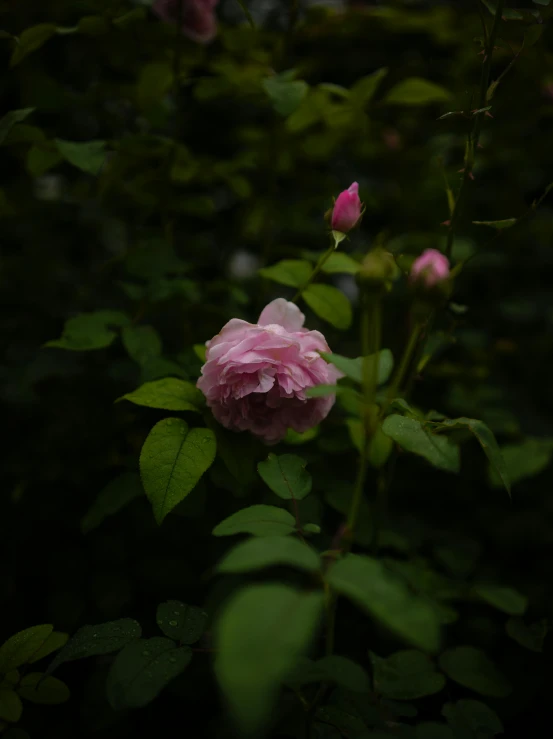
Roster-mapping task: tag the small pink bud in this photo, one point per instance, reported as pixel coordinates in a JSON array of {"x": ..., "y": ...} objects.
[
  {"x": 431, "y": 268},
  {"x": 347, "y": 210}
]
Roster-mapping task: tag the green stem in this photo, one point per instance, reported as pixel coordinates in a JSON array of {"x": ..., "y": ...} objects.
[
  {"x": 318, "y": 267},
  {"x": 405, "y": 363},
  {"x": 474, "y": 135}
]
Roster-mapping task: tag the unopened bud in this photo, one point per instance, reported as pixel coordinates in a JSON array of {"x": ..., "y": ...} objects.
[
  {"x": 430, "y": 277},
  {"x": 347, "y": 210},
  {"x": 378, "y": 270}
]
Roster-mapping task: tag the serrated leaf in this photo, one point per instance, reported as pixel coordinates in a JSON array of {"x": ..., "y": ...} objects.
[
  {"x": 286, "y": 475},
  {"x": 89, "y": 331},
  {"x": 92, "y": 641},
  {"x": 417, "y": 91},
  {"x": 353, "y": 368},
  {"x": 21, "y": 647},
  {"x": 374, "y": 588},
  {"x": 8, "y": 121},
  {"x": 411, "y": 436},
  {"x": 471, "y": 668},
  {"x": 88, "y": 156},
  {"x": 261, "y": 633},
  {"x": 172, "y": 461},
  {"x": 290, "y": 272},
  {"x": 115, "y": 496},
  {"x": 185, "y": 624},
  {"x": 406, "y": 675},
  {"x": 504, "y": 599},
  {"x": 48, "y": 691},
  {"x": 259, "y": 520},
  {"x": 142, "y": 669},
  {"x": 270, "y": 551},
  {"x": 330, "y": 304},
  {"x": 168, "y": 393}
]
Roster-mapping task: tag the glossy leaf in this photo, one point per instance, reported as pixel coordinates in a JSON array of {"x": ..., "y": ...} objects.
[
  {"x": 471, "y": 668},
  {"x": 411, "y": 436},
  {"x": 37, "y": 688},
  {"x": 180, "y": 622},
  {"x": 168, "y": 393},
  {"x": 259, "y": 520},
  {"x": 368, "y": 583},
  {"x": 114, "y": 497},
  {"x": 21, "y": 647},
  {"x": 261, "y": 633},
  {"x": 291, "y": 272},
  {"x": 270, "y": 551},
  {"x": 286, "y": 475},
  {"x": 172, "y": 461},
  {"x": 330, "y": 304},
  {"x": 142, "y": 669},
  {"x": 406, "y": 675},
  {"x": 89, "y": 331},
  {"x": 55, "y": 641}
]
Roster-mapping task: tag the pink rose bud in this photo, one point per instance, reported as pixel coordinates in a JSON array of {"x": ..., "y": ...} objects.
[
  {"x": 198, "y": 19},
  {"x": 347, "y": 210},
  {"x": 431, "y": 268},
  {"x": 256, "y": 375}
]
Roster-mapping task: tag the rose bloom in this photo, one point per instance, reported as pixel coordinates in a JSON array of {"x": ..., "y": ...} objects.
[
  {"x": 347, "y": 209},
  {"x": 199, "y": 21},
  {"x": 431, "y": 268},
  {"x": 256, "y": 375}
]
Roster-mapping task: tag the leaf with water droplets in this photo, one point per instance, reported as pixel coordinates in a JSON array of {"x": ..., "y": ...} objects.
[
  {"x": 180, "y": 622},
  {"x": 91, "y": 641},
  {"x": 142, "y": 669},
  {"x": 20, "y": 647}
]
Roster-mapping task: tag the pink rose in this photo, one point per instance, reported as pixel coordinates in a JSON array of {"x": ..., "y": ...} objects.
[
  {"x": 431, "y": 268},
  {"x": 256, "y": 375},
  {"x": 199, "y": 21},
  {"x": 347, "y": 209}
]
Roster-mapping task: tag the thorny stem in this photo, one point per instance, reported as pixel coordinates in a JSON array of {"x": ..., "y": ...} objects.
[{"x": 474, "y": 135}]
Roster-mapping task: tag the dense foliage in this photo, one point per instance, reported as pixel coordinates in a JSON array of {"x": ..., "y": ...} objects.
[{"x": 386, "y": 573}]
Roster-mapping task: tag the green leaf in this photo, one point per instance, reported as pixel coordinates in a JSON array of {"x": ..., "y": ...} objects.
[
  {"x": 41, "y": 158},
  {"x": 142, "y": 669},
  {"x": 406, "y": 675},
  {"x": 374, "y": 588},
  {"x": 21, "y": 647},
  {"x": 261, "y": 633},
  {"x": 296, "y": 439},
  {"x": 504, "y": 599},
  {"x": 10, "y": 706},
  {"x": 417, "y": 91},
  {"x": 183, "y": 623},
  {"x": 259, "y": 520},
  {"x": 291, "y": 272},
  {"x": 92, "y": 641},
  {"x": 523, "y": 460},
  {"x": 114, "y": 497},
  {"x": 172, "y": 461},
  {"x": 32, "y": 39},
  {"x": 169, "y": 393},
  {"x": 505, "y": 223},
  {"x": 142, "y": 343},
  {"x": 472, "y": 669},
  {"x": 8, "y": 121},
  {"x": 37, "y": 688},
  {"x": 380, "y": 448},
  {"x": 55, "y": 641},
  {"x": 533, "y": 34},
  {"x": 471, "y": 719},
  {"x": 531, "y": 636},
  {"x": 487, "y": 441},
  {"x": 89, "y": 331},
  {"x": 286, "y": 475},
  {"x": 154, "y": 82},
  {"x": 200, "y": 351},
  {"x": 270, "y": 551},
  {"x": 88, "y": 156},
  {"x": 340, "y": 263},
  {"x": 331, "y": 669},
  {"x": 285, "y": 94},
  {"x": 353, "y": 368},
  {"x": 330, "y": 304},
  {"x": 411, "y": 436},
  {"x": 365, "y": 88}
]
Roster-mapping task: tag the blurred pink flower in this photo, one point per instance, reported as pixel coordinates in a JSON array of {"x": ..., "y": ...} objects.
[
  {"x": 256, "y": 375},
  {"x": 431, "y": 268},
  {"x": 199, "y": 21},
  {"x": 347, "y": 209}
]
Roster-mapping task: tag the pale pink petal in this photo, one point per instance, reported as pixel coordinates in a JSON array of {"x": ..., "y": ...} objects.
[{"x": 283, "y": 313}]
